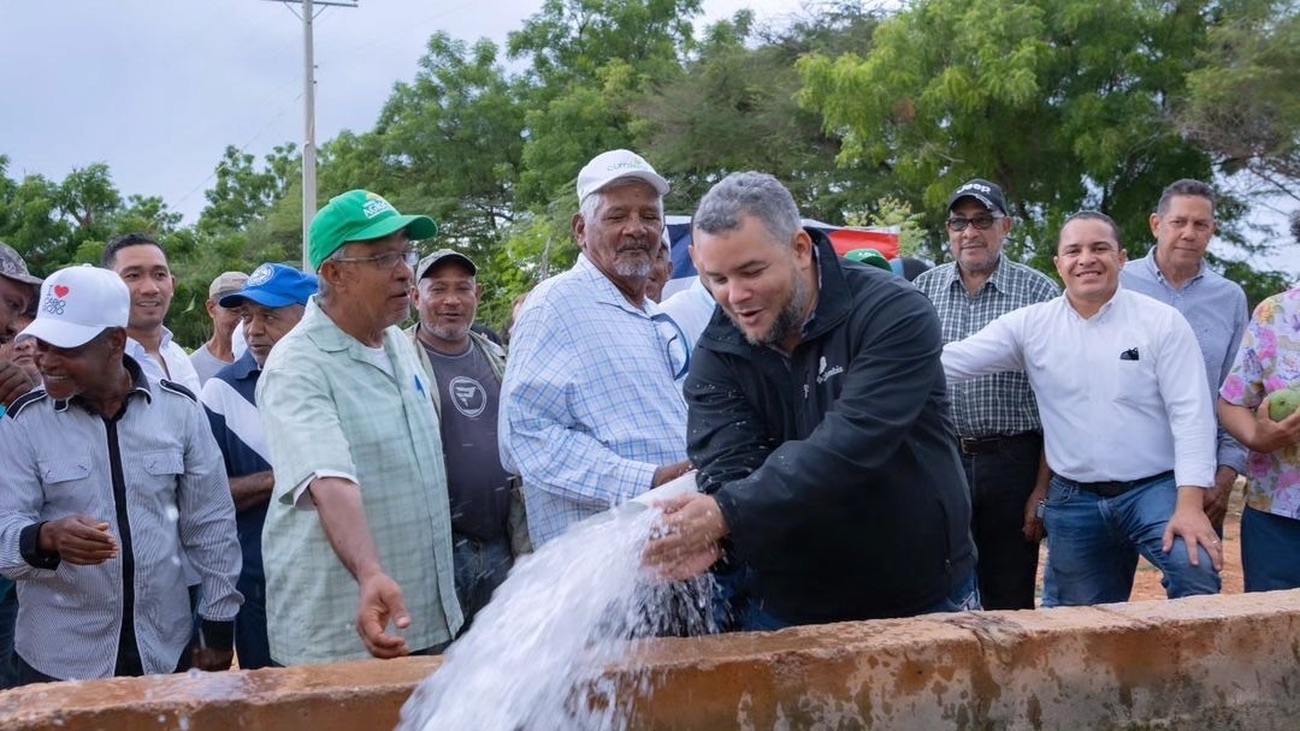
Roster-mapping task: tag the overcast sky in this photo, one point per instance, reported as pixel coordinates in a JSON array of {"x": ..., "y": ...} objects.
[{"x": 158, "y": 88}]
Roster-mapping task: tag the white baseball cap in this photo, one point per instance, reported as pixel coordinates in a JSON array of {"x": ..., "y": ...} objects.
[
  {"x": 607, "y": 167},
  {"x": 78, "y": 303}
]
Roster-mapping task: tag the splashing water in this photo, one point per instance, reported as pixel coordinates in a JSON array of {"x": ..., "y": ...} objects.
[{"x": 538, "y": 654}]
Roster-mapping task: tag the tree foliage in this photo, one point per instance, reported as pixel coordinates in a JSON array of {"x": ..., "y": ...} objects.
[
  {"x": 1242, "y": 105},
  {"x": 867, "y": 115}
]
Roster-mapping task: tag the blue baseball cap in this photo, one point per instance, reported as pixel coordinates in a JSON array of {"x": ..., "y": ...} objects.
[{"x": 273, "y": 285}]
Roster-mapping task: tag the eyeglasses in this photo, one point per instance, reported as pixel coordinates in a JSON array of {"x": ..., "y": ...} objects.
[
  {"x": 676, "y": 349},
  {"x": 981, "y": 223},
  {"x": 383, "y": 261}
]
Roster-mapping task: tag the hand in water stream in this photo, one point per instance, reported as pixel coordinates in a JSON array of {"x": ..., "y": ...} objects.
[{"x": 687, "y": 542}]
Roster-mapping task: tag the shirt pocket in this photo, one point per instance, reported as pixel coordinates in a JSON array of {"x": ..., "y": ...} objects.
[
  {"x": 163, "y": 468},
  {"x": 163, "y": 462},
  {"x": 63, "y": 470},
  {"x": 65, "y": 482},
  {"x": 1136, "y": 382}
]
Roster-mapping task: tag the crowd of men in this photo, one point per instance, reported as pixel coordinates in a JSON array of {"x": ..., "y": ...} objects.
[{"x": 314, "y": 483}]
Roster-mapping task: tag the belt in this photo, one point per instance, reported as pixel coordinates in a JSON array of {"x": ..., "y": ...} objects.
[
  {"x": 1115, "y": 488},
  {"x": 995, "y": 443}
]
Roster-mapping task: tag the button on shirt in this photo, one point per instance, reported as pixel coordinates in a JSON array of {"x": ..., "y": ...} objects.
[
  {"x": 998, "y": 403},
  {"x": 1215, "y": 307},
  {"x": 1269, "y": 360},
  {"x": 157, "y": 466},
  {"x": 330, "y": 409},
  {"x": 589, "y": 407},
  {"x": 1122, "y": 394}
]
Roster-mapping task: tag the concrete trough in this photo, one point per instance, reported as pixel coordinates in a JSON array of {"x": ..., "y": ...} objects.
[{"x": 1226, "y": 662}]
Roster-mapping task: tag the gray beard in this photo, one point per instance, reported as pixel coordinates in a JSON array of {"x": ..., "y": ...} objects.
[{"x": 638, "y": 269}]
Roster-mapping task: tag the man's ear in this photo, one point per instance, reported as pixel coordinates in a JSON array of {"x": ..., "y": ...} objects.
[
  {"x": 580, "y": 230},
  {"x": 802, "y": 245}
]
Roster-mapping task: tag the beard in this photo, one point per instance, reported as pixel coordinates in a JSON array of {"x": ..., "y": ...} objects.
[
  {"x": 450, "y": 333},
  {"x": 635, "y": 268},
  {"x": 789, "y": 321}
]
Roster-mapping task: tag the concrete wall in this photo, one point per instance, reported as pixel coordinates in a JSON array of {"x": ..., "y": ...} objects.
[{"x": 1199, "y": 663}]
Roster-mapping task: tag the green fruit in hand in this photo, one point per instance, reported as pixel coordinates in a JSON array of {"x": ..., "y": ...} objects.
[{"x": 1282, "y": 404}]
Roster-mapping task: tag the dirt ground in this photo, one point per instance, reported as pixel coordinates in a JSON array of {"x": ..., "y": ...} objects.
[{"x": 1146, "y": 585}]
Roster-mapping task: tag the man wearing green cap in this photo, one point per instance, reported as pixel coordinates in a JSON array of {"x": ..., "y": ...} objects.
[{"x": 360, "y": 499}]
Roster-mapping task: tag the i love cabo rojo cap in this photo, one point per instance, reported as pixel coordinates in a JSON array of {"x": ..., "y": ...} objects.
[{"x": 76, "y": 304}]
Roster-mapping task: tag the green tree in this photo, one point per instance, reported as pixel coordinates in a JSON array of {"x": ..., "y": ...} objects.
[
  {"x": 244, "y": 191},
  {"x": 734, "y": 109},
  {"x": 1065, "y": 103},
  {"x": 590, "y": 60},
  {"x": 1241, "y": 104}
]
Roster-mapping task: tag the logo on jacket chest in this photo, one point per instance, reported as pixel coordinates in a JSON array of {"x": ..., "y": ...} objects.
[{"x": 824, "y": 374}]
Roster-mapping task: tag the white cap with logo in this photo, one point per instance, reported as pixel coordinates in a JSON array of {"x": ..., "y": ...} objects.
[
  {"x": 78, "y": 303},
  {"x": 613, "y": 165}
]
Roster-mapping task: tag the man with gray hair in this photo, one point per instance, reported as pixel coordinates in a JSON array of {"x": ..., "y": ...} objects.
[
  {"x": 1175, "y": 272},
  {"x": 591, "y": 410},
  {"x": 818, "y": 421}
]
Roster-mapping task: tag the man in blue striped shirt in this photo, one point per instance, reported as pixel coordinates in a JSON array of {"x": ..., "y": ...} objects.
[
  {"x": 591, "y": 411},
  {"x": 270, "y": 304},
  {"x": 112, "y": 482}
]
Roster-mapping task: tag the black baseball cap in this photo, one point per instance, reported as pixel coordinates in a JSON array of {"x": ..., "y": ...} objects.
[{"x": 987, "y": 193}]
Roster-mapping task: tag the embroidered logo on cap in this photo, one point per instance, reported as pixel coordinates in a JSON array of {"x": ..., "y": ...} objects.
[
  {"x": 260, "y": 275},
  {"x": 376, "y": 205}
]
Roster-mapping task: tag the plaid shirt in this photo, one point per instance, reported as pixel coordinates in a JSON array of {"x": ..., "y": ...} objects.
[
  {"x": 328, "y": 410},
  {"x": 589, "y": 407},
  {"x": 1001, "y": 403}
]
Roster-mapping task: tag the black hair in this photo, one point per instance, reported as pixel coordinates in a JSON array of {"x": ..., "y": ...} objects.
[{"x": 121, "y": 242}]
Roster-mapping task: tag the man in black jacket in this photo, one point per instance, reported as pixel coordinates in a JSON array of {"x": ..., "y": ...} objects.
[{"x": 819, "y": 423}]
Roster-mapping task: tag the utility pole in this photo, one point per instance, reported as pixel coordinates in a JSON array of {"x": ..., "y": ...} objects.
[{"x": 308, "y": 15}]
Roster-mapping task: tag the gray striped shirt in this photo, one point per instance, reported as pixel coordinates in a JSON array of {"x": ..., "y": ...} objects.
[
  {"x": 1000, "y": 403},
  {"x": 57, "y": 458}
]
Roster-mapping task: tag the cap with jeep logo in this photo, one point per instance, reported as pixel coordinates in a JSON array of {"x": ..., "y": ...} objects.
[{"x": 988, "y": 194}]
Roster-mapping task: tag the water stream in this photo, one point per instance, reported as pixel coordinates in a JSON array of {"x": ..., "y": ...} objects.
[{"x": 537, "y": 655}]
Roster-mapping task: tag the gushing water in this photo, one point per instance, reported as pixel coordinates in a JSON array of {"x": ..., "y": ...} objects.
[{"x": 537, "y": 656}]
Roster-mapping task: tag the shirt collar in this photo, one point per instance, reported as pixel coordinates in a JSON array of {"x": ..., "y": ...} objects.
[
  {"x": 997, "y": 278},
  {"x": 1154, "y": 268},
  {"x": 604, "y": 289},
  {"x": 139, "y": 384},
  {"x": 245, "y": 366}
]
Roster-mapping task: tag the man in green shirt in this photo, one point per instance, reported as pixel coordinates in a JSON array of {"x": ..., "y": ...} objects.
[{"x": 359, "y": 523}]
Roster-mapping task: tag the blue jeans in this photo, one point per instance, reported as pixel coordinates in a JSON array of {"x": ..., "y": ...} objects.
[
  {"x": 1269, "y": 546},
  {"x": 966, "y": 597},
  {"x": 1093, "y": 544},
  {"x": 481, "y": 566}
]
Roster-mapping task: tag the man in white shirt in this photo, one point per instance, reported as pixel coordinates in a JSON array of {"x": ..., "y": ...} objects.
[
  {"x": 1127, "y": 421},
  {"x": 141, "y": 262}
]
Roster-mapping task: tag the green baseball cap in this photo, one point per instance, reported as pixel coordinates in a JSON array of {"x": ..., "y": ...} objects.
[
  {"x": 359, "y": 215},
  {"x": 869, "y": 256}
]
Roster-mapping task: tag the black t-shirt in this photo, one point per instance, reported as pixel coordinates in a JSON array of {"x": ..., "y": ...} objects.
[{"x": 477, "y": 485}]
